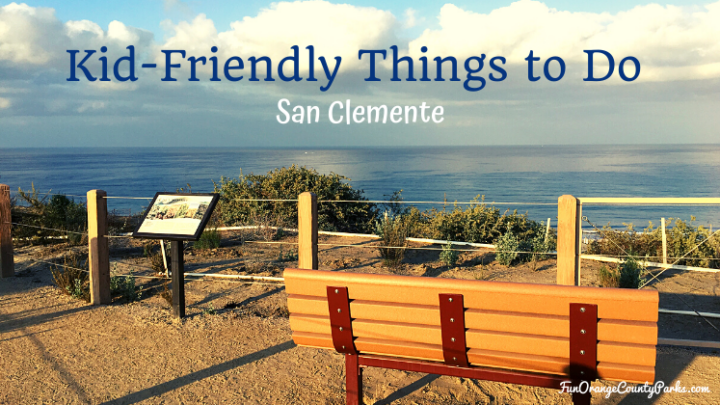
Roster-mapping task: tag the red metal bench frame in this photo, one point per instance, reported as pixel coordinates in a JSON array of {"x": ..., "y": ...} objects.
[{"x": 583, "y": 350}]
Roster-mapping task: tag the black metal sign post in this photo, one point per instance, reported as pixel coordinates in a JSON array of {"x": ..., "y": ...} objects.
[
  {"x": 178, "y": 278},
  {"x": 177, "y": 217}
]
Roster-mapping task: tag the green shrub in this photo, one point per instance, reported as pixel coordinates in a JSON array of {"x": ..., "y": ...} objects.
[
  {"x": 539, "y": 248},
  {"x": 210, "y": 310},
  {"x": 125, "y": 287},
  {"x": 506, "y": 248},
  {"x": 393, "y": 231},
  {"x": 129, "y": 290},
  {"x": 210, "y": 239},
  {"x": 630, "y": 273},
  {"x": 116, "y": 283},
  {"x": 478, "y": 223},
  {"x": 51, "y": 212},
  {"x": 289, "y": 183},
  {"x": 449, "y": 256}
]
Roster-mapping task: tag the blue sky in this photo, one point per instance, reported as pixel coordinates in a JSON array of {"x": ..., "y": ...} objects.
[{"x": 674, "y": 100}]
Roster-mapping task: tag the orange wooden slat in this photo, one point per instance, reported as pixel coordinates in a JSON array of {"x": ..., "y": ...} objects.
[
  {"x": 544, "y": 325},
  {"x": 613, "y": 303},
  {"x": 626, "y": 353},
  {"x": 477, "y": 357}
]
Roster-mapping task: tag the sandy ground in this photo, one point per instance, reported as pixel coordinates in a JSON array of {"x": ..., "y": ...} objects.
[{"x": 235, "y": 345}]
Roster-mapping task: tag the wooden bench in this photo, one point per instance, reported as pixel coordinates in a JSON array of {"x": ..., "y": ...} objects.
[{"x": 528, "y": 334}]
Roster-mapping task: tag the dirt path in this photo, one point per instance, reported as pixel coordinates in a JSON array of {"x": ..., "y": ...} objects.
[{"x": 235, "y": 346}]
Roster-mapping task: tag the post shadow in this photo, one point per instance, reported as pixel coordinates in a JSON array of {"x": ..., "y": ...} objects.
[
  {"x": 200, "y": 375},
  {"x": 8, "y": 323}
]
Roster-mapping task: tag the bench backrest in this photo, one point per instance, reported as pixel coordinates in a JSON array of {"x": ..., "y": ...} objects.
[{"x": 508, "y": 325}]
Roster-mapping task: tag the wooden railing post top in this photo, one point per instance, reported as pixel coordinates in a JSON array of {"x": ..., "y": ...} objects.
[
  {"x": 308, "y": 194},
  {"x": 567, "y": 198},
  {"x": 99, "y": 193}
]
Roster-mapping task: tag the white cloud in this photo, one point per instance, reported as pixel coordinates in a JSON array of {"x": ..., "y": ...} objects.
[
  {"x": 411, "y": 18},
  {"x": 23, "y": 30},
  {"x": 333, "y": 29},
  {"x": 4, "y": 103},
  {"x": 670, "y": 42},
  {"x": 33, "y": 36}
]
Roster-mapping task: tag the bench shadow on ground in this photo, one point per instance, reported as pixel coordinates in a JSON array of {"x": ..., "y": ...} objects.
[
  {"x": 187, "y": 379},
  {"x": 408, "y": 389}
]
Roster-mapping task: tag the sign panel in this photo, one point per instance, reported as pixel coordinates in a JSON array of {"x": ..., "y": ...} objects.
[{"x": 177, "y": 216}]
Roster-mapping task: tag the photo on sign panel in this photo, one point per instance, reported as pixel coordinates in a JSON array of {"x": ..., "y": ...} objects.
[{"x": 177, "y": 216}]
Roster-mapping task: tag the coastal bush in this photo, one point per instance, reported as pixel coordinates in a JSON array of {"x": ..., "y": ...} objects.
[
  {"x": 449, "y": 256},
  {"x": 630, "y": 273},
  {"x": 540, "y": 247},
  {"x": 125, "y": 287},
  {"x": 506, "y": 248},
  {"x": 288, "y": 183},
  {"x": 682, "y": 237},
  {"x": 71, "y": 277},
  {"x": 393, "y": 231},
  {"x": 50, "y": 212},
  {"x": 210, "y": 239},
  {"x": 129, "y": 290},
  {"x": 478, "y": 223},
  {"x": 609, "y": 277}
]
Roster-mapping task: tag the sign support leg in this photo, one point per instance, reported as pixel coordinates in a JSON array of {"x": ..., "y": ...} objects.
[{"x": 178, "y": 278}]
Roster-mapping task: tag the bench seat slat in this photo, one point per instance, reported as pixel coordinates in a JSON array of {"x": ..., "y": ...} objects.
[
  {"x": 500, "y": 321},
  {"x": 626, "y": 353},
  {"x": 486, "y": 295},
  {"x": 477, "y": 357}
]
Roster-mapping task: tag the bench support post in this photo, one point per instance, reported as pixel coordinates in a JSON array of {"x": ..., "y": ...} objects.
[
  {"x": 452, "y": 329},
  {"x": 583, "y": 349},
  {"x": 353, "y": 380},
  {"x": 342, "y": 336},
  {"x": 7, "y": 262},
  {"x": 340, "y": 320}
]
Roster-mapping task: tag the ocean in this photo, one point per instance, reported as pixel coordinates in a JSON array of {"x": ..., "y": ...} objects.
[{"x": 512, "y": 174}]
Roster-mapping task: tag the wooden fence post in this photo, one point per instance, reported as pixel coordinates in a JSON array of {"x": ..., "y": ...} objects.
[
  {"x": 7, "y": 261},
  {"x": 99, "y": 251},
  {"x": 664, "y": 240},
  {"x": 307, "y": 231},
  {"x": 568, "y": 240}
]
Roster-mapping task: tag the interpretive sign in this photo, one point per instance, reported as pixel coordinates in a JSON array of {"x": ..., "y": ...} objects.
[{"x": 176, "y": 216}]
